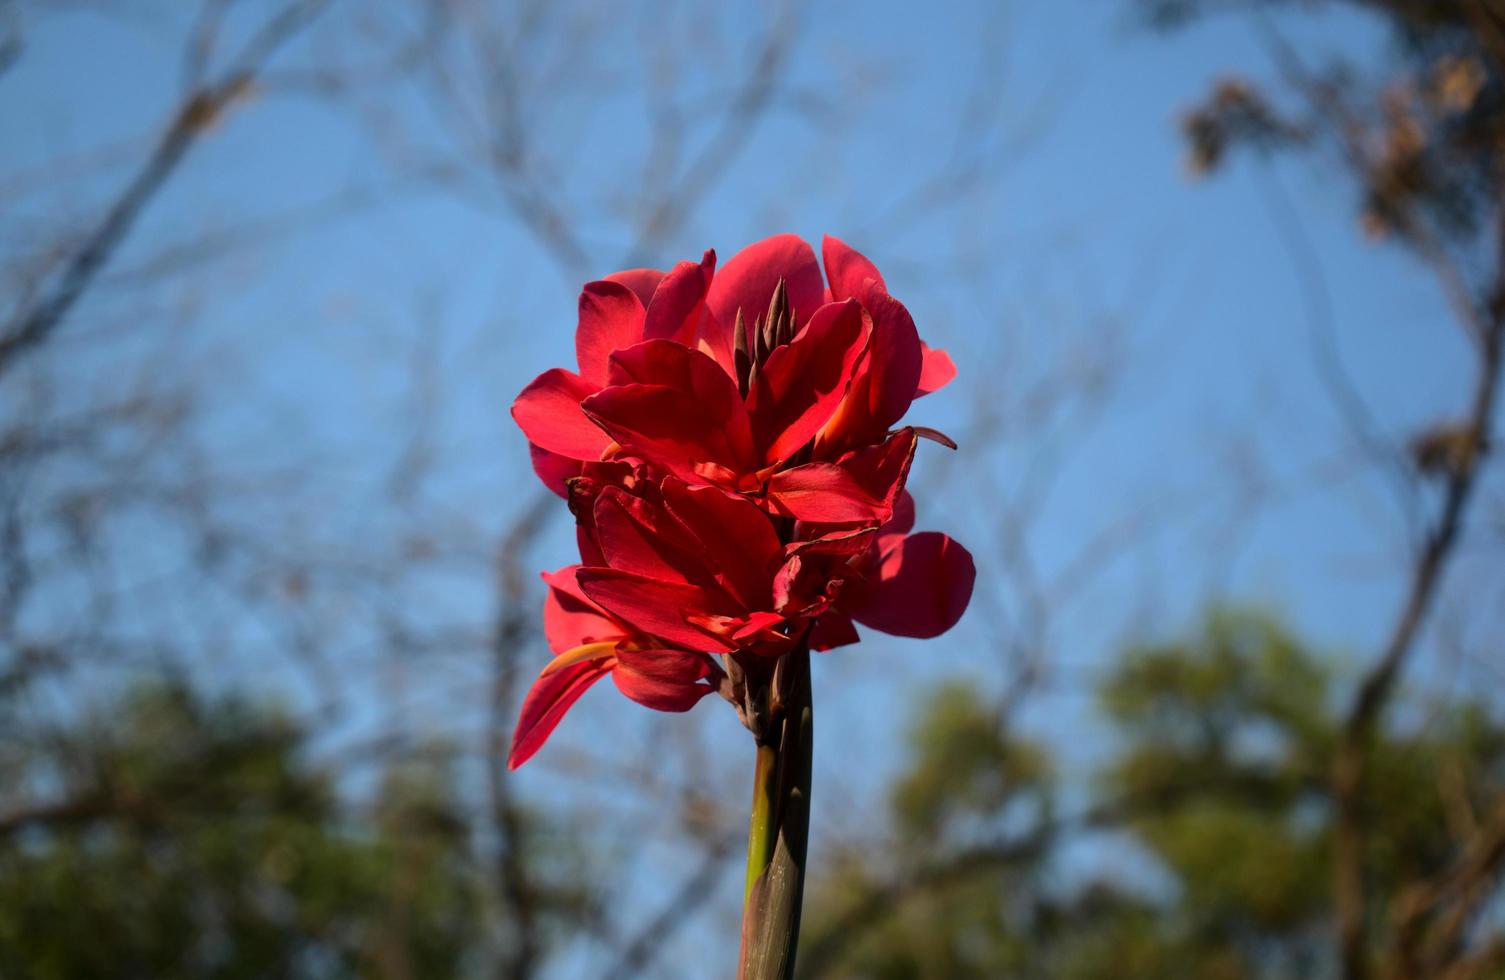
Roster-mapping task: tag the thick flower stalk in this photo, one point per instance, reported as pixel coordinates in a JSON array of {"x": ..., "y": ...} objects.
[{"x": 732, "y": 452}]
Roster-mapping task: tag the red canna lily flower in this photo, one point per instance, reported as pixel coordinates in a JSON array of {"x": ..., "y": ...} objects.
[{"x": 728, "y": 447}]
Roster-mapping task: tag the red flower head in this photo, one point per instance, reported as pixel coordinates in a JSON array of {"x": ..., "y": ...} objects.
[{"x": 728, "y": 450}]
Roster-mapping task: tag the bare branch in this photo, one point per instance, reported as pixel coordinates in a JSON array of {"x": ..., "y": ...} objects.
[
  {"x": 1379, "y": 682},
  {"x": 514, "y": 618},
  {"x": 1431, "y": 917},
  {"x": 201, "y": 109}
]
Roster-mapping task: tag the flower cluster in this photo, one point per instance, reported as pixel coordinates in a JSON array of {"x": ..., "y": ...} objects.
[{"x": 729, "y": 451}]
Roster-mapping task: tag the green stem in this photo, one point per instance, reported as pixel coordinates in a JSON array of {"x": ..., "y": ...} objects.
[
  {"x": 779, "y": 829},
  {"x": 760, "y": 826}
]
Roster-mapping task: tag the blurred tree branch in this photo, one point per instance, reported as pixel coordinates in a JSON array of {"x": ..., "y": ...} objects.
[
  {"x": 1421, "y": 146},
  {"x": 514, "y": 621},
  {"x": 203, "y": 107}
]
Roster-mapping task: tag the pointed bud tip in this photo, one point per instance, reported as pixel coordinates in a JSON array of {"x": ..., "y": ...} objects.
[{"x": 934, "y": 435}]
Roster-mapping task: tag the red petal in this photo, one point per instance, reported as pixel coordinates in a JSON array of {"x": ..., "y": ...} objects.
[
  {"x": 716, "y": 343},
  {"x": 665, "y": 680},
  {"x": 823, "y": 493},
  {"x": 611, "y": 318},
  {"x": 642, "y": 537},
  {"x": 663, "y": 362},
  {"x": 669, "y": 429},
  {"x": 936, "y": 369},
  {"x": 803, "y": 381},
  {"x": 738, "y": 541},
  {"x": 641, "y": 281},
  {"x": 787, "y": 592},
  {"x": 675, "y": 311},
  {"x": 842, "y": 543},
  {"x": 590, "y": 550},
  {"x": 760, "y": 626},
  {"x": 902, "y": 521},
  {"x": 886, "y": 380},
  {"x": 921, "y": 588},
  {"x": 553, "y": 469},
  {"x": 547, "y": 701},
  {"x": 681, "y": 410},
  {"x": 832, "y": 630},
  {"x": 656, "y": 607},
  {"x": 847, "y": 268},
  {"x": 548, "y": 412},
  {"x": 883, "y": 470},
  {"x": 569, "y": 618},
  {"x": 748, "y": 279}
]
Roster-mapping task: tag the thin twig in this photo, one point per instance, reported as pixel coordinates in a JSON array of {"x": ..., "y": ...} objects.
[{"x": 199, "y": 111}]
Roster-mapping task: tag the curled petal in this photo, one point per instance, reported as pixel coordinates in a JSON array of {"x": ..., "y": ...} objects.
[
  {"x": 547, "y": 701},
  {"x": 656, "y": 607},
  {"x": 883, "y": 470},
  {"x": 760, "y": 626},
  {"x": 886, "y": 380},
  {"x": 664, "y": 680},
  {"x": 936, "y": 369},
  {"x": 808, "y": 583},
  {"x": 921, "y": 587},
  {"x": 787, "y": 594},
  {"x": 548, "y": 411},
  {"x": 803, "y": 381},
  {"x": 847, "y": 269},
  {"x": 611, "y": 318},
  {"x": 679, "y": 300}
]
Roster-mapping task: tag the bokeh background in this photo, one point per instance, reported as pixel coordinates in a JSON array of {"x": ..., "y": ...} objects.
[{"x": 1223, "y": 280}]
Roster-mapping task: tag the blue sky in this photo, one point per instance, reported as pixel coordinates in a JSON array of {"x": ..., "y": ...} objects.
[{"x": 1082, "y": 240}]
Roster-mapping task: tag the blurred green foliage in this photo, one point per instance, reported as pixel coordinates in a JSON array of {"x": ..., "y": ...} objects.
[
  {"x": 1217, "y": 776},
  {"x": 189, "y": 836},
  {"x": 190, "y": 839}
]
